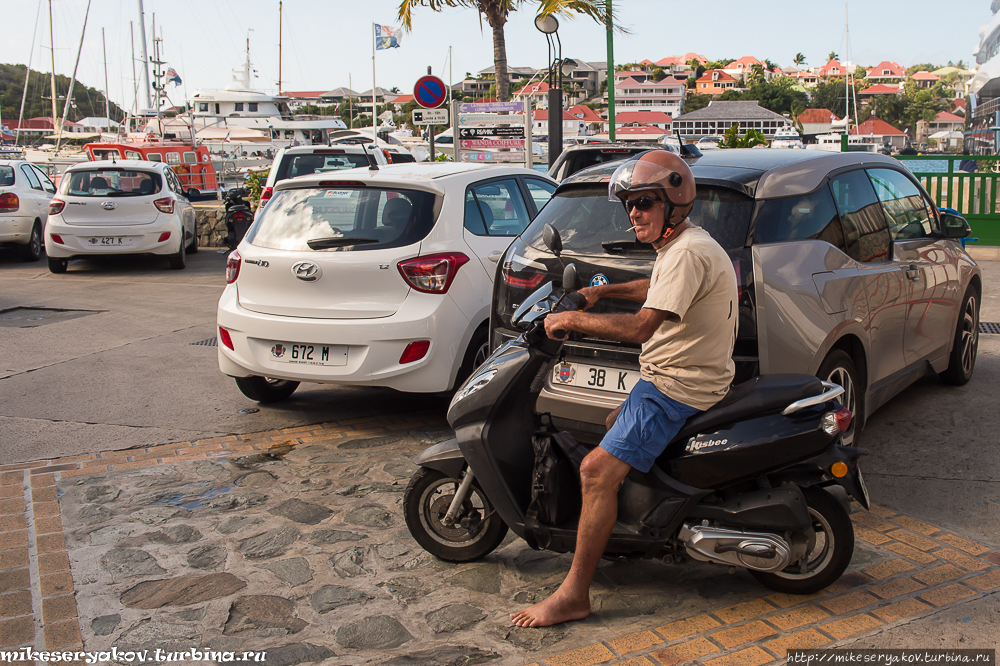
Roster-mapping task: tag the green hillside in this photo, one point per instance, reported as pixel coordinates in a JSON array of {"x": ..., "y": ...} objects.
[{"x": 88, "y": 101}]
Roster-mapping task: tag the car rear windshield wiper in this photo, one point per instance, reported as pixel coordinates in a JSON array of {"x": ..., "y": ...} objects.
[
  {"x": 626, "y": 247},
  {"x": 337, "y": 241}
]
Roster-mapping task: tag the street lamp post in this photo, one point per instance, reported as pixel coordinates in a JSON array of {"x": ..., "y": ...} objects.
[{"x": 549, "y": 26}]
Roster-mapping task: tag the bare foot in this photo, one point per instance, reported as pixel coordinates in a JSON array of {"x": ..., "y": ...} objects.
[{"x": 554, "y": 610}]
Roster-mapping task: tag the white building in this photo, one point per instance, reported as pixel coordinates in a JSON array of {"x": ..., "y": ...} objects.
[{"x": 666, "y": 96}]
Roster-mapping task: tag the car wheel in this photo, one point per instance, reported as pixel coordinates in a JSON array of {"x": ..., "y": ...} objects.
[
  {"x": 179, "y": 260},
  {"x": 838, "y": 367},
  {"x": 58, "y": 265},
  {"x": 964, "y": 349},
  {"x": 266, "y": 389},
  {"x": 476, "y": 354},
  {"x": 33, "y": 250}
]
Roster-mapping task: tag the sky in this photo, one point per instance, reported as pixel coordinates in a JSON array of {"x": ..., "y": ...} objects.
[{"x": 328, "y": 43}]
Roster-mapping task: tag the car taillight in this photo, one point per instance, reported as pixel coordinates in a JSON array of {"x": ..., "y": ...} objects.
[
  {"x": 56, "y": 238},
  {"x": 434, "y": 273},
  {"x": 225, "y": 339},
  {"x": 523, "y": 283},
  {"x": 56, "y": 206},
  {"x": 265, "y": 195},
  {"x": 233, "y": 267},
  {"x": 165, "y": 205},
  {"x": 9, "y": 202},
  {"x": 415, "y": 351},
  {"x": 163, "y": 237}
]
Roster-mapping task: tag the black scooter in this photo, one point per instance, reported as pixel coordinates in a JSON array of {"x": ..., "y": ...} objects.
[
  {"x": 744, "y": 484},
  {"x": 239, "y": 217}
]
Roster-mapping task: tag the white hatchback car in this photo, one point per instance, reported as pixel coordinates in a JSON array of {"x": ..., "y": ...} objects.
[
  {"x": 24, "y": 206},
  {"x": 120, "y": 207},
  {"x": 372, "y": 277}
]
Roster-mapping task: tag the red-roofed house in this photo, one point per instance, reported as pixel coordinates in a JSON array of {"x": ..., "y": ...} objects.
[
  {"x": 647, "y": 65},
  {"x": 538, "y": 93},
  {"x": 881, "y": 132},
  {"x": 652, "y": 118},
  {"x": 714, "y": 82},
  {"x": 887, "y": 72},
  {"x": 739, "y": 69},
  {"x": 571, "y": 126},
  {"x": 866, "y": 95},
  {"x": 959, "y": 106},
  {"x": 594, "y": 122},
  {"x": 299, "y": 99},
  {"x": 635, "y": 132},
  {"x": 666, "y": 96},
  {"x": 671, "y": 61},
  {"x": 831, "y": 71},
  {"x": 816, "y": 121},
  {"x": 42, "y": 126},
  {"x": 925, "y": 79},
  {"x": 400, "y": 101},
  {"x": 944, "y": 122},
  {"x": 806, "y": 79}
]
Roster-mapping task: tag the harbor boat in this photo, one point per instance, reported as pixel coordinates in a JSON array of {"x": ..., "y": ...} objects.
[
  {"x": 192, "y": 164},
  {"x": 983, "y": 135},
  {"x": 787, "y": 137},
  {"x": 832, "y": 143}
]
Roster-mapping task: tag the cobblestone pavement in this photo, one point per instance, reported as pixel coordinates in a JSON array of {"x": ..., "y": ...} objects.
[{"x": 292, "y": 542}]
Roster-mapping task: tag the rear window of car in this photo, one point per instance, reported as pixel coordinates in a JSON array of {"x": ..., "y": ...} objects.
[
  {"x": 293, "y": 166},
  {"x": 400, "y": 158},
  {"x": 6, "y": 176},
  {"x": 583, "y": 159},
  {"x": 110, "y": 183},
  {"x": 343, "y": 219},
  {"x": 591, "y": 225}
]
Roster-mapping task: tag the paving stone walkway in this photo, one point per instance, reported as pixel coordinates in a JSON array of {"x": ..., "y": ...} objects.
[{"x": 293, "y": 543}]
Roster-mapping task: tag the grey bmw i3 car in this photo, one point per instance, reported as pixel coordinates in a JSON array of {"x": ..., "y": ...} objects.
[{"x": 846, "y": 270}]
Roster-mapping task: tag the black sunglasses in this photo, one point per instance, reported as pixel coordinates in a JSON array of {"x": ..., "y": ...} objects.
[{"x": 642, "y": 203}]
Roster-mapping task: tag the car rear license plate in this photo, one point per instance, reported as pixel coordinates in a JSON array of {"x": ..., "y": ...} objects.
[
  {"x": 309, "y": 354},
  {"x": 110, "y": 241},
  {"x": 597, "y": 377}
]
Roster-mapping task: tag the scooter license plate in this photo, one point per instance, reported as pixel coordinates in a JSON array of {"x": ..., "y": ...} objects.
[{"x": 597, "y": 377}]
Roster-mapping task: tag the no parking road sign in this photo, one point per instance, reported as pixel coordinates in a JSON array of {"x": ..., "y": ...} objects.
[{"x": 430, "y": 92}]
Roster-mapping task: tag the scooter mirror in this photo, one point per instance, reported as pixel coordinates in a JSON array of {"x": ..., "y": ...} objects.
[
  {"x": 552, "y": 240},
  {"x": 570, "y": 280}
]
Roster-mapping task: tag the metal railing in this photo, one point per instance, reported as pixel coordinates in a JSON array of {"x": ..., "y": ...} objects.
[{"x": 974, "y": 194}]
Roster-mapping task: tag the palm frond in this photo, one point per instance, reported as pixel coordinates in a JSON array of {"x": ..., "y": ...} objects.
[
  {"x": 406, "y": 7},
  {"x": 595, "y": 9}
]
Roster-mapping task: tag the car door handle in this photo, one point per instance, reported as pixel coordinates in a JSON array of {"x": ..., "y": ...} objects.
[
  {"x": 494, "y": 256},
  {"x": 913, "y": 273}
]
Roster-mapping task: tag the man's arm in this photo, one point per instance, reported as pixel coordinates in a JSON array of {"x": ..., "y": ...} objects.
[
  {"x": 627, "y": 291},
  {"x": 637, "y": 328}
]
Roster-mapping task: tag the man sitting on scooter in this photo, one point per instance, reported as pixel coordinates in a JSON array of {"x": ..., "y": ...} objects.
[{"x": 687, "y": 328}]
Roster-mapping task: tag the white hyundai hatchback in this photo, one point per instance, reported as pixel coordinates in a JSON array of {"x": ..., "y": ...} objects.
[
  {"x": 24, "y": 206},
  {"x": 374, "y": 277},
  {"x": 120, "y": 207}
]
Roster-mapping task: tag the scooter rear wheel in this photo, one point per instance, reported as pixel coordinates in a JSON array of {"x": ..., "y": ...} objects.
[
  {"x": 829, "y": 551},
  {"x": 425, "y": 504}
]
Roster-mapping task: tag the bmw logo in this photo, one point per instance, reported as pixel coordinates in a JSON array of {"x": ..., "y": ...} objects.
[{"x": 598, "y": 280}]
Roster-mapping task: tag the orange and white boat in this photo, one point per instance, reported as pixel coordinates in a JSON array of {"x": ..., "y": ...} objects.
[{"x": 192, "y": 164}]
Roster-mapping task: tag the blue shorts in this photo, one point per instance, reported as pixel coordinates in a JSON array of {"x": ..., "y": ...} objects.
[{"x": 648, "y": 421}]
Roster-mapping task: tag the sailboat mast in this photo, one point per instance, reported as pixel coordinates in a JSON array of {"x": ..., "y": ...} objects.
[
  {"x": 279, "y": 49},
  {"x": 145, "y": 57},
  {"x": 72, "y": 81},
  {"x": 27, "y": 72},
  {"x": 52, "y": 50},
  {"x": 107, "y": 102}
]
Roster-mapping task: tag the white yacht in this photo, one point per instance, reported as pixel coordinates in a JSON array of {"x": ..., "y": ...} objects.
[
  {"x": 786, "y": 137},
  {"x": 984, "y": 90}
]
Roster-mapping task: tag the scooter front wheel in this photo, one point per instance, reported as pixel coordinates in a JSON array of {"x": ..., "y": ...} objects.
[
  {"x": 478, "y": 529},
  {"x": 829, "y": 548}
]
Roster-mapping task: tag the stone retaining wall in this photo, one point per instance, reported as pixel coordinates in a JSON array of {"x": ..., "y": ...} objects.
[{"x": 210, "y": 222}]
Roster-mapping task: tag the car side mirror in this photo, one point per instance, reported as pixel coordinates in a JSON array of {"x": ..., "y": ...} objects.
[
  {"x": 552, "y": 240},
  {"x": 954, "y": 226},
  {"x": 191, "y": 193}
]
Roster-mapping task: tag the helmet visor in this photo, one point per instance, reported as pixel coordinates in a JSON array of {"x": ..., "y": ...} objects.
[{"x": 635, "y": 175}]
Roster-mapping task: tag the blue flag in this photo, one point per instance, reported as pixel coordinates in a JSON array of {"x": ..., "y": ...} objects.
[{"x": 386, "y": 37}]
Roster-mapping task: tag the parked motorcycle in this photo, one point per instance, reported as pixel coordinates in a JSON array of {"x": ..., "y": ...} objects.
[
  {"x": 746, "y": 483},
  {"x": 239, "y": 217}
]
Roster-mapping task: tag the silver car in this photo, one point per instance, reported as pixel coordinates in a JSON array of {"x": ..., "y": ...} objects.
[{"x": 846, "y": 269}]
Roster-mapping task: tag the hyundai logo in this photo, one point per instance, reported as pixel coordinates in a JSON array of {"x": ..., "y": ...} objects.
[
  {"x": 307, "y": 271},
  {"x": 109, "y": 205}
]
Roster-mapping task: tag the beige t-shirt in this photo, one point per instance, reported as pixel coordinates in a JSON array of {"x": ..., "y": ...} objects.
[{"x": 689, "y": 357}]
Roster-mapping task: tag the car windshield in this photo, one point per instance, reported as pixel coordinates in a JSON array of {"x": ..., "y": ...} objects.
[
  {"x": 301, "y": 165},
  {"x": 334, "y": 219},
  {"x": 6, "y": 176},
  {"x": 110, "y": 183},
  {"x": 590, "y": 225}
]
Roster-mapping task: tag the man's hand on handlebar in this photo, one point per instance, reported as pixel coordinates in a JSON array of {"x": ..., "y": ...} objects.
[
  {"x": 557, "y": 325},
  {"x": 590, "y": 293}
]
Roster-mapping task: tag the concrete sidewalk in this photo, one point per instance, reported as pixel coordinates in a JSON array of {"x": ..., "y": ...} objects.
[{"x": 292, "y": 542}]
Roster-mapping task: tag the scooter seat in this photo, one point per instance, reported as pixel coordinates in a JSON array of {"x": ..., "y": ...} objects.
[{"x": 758, "y": 396}]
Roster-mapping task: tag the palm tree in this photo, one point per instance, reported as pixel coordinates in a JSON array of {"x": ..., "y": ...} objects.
[
  {"x": 833, "y": 56},
  {"x": 799, "y": 59},
  {"x": 496, "y": 13}
]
